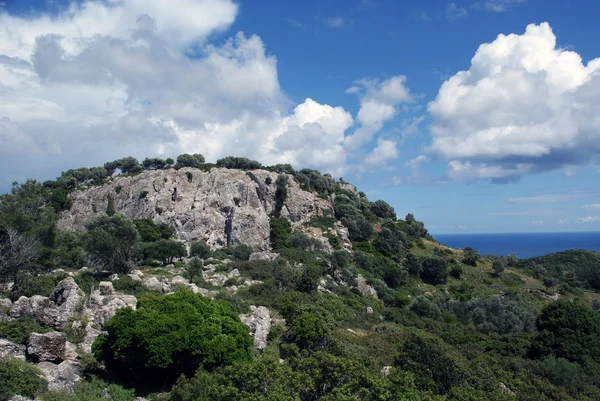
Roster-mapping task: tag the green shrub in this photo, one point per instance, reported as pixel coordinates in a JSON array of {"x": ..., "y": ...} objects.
[
  {"x": 423, "y": 307},
  {"x": 127, "y": 285},
  {"x": 92, "y": 390},
  {"x": 150, "y": 231},
  {"x": 19, "y": 378},
  {"x": 561, "y": 372},
  {"x": 193, "y": 268},
  {"x": 470, "y": 257},
  {"x": 238, "y": 252},
  {"x": 18, "y": 331},
  {"x": 281, "y": 231},
  {"x": 167, "y": 336},
  {"x": 187, "y": 160},
  {"x": 200, "y": 249},
  {"x": 434, "y": 270},
  {"x": 165, "y": 250}
]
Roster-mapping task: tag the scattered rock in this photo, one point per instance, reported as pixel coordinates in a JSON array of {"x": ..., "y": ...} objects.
[
  {"x": 46, "y": 347},
  {"x": 106, "y": 288},
  {"x": 91, "y": 333},
  {"x": 264, "y": 256},
  {"x": 135, "y": 275},
  {"x": 369, "y": 310},
  {"x": 385, "y": 371},
  {"x": 8, "y": 349},
  {"x": 259, "y": 323},
  {"x": 100, "y": 308},
  {"x": 154, "y": 283},
  {"x": 233, "y": 274},
  {"x": 113, "y": 277},
  {"x": 365, "y": 289},
  {"x": 61, "y": 377},
  {"x": 40, "y": 308},
  {"x": 507, "y": 390}
]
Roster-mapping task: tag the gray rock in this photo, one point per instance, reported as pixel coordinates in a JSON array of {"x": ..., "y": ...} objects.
[
  {"x": 106, "y": 288},
  {"x": 42, "y": 309},
  {"x": 385, "y": 371},
  {"x": 259, "y": 323},
  {"x": 200, "y": 208},
  {"x": 263, "y": 256},
  {"x": 61, "y": 377},
  {"x": 5, "y": 307},
  {"x": 233, "y": 274},
  {"x": 154, "y": 283},
  {"x": 369, "y": 310},
  {"x": 46, "y": 347},
  {"x": 8, "y": 349},
  {"x": 113, "y": 277},
  {"x": 91, "y": 333},
  {"x": 365, "y": 289},
  {"x": 20, "y": 398},
  {"x": 100, "y": 308},
  {"x": 68, "y": 297}
]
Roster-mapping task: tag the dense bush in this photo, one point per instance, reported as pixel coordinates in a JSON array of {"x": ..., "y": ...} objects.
[
  {"x": 165, "y": 250},
  {"x": 383, "y": 210},
  {"x": 92, "y": 390},
  {"x": 281, "y": 231},
  {"x": 240, "y": 163},
  {"x": 18, "y": 331},
  {"x": 150, "y": 231},
  {"x": 434, "y": 270},
  {"x": 470, "y": 257},
  {"x": 172, "y": 335},
  {"x": 568, "y": 329},
  {"x": 280, "y": 194},
  {"x": 391, "y": 241},
  {"x": 187, "y": 160},
  {"x": 19, "y": 378},
  {"x": 236, "y": 252},
  {"x": 312, "y": 180},
  {"x": 153, "y": 163},
  {"x": 200, "y": 249},
  {"x": 112, "y": 242},
  {"x": 193, "y": 268},
  {"x": 302, "y": 241},
  {"x": 127, "y": 165}
]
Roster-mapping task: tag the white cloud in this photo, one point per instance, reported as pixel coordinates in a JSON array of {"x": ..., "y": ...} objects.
[
  {"x": 415, "y": 164},
  {"x": 588, "y": 219},
  {"x": 591, "y": 206},
  {"x": 527, "y": 213},
  {"x": 336, "y": 22},
  {"x": 140, "y": 77},
  {"x": 379, "y": 103},
  {"x": 454, "y": 12},
  {"x": 548, "y": 198},
  {"x": 385, "y": 151},
  {"x": 563, "y": 222},
  {"x": 524, "y": 106},
  {"x": 538, "y": 223},
  {"x": 498, "y": 5}
]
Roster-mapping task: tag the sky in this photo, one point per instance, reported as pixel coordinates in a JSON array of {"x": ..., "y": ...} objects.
[{"x": 475, "y": 116}]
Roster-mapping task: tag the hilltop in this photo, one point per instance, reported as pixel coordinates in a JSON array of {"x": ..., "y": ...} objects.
[{"x": 185, "y": 280}]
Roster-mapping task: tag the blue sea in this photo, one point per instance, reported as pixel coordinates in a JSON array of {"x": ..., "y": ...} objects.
[{"x": 524, "y": 245}]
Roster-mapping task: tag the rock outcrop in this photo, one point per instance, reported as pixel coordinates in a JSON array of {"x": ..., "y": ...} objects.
[
  {"x": 365, "y": 289},
  {"x": 203, "y": 200},
  {"x": 46, "y": 347},
  {"x": 8, "y": 349},
  {"x": 61, "y": 377},
  {"x": 259, "y": 323}
]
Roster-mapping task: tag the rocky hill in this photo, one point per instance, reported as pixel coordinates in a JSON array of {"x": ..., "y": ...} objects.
[
  {"x": 197, "y": 203},
  {"x": 237, "y": 281}
]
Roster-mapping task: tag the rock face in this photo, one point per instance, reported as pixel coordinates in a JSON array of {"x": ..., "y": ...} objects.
[
  {"x": 365, "y": 289},
  {"x": 259, "y": 323},
  {"x": 46, "y": 347},
  {"x": 62, "y": 376},
  {"x": 198, "y": 203},
  {"x": 8, "y": 349}
]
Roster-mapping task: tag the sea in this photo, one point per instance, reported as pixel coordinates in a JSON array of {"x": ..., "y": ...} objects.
[{"x": 524, "y": 245}]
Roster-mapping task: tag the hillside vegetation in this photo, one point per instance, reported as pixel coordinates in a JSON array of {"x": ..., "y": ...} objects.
[{"x": 396, "y": 317}]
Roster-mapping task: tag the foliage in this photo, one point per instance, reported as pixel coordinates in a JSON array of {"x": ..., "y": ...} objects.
[
  {"x": 187, "y": 160},
  {"x": 583, "y": 264},
  {"x": 167, "y": 336},
  {"x": 153, "y": 163},
  {"x": 200, "y": 249},
  {"x": 112, "y": 241},
  {"x": 92, "y": 390},
  {"x": 127, "y": 165},
  {"x": 280, "y": 194},
  {"x": 312, "y": 180},
  {"x": 280, "y": 233},
  {"x": 301, "y": 240},
  {"x": 240, "y": 163},
  {"x": 470, "y": 256},
  {"x": 236, "y": 252},
  {"x": 423, "y": 307},
  {"x": 127, "y": 285},
  {"x": 383, "y": 210},
  {"x": 165, "y": 250},
  {"x": 434, "y": 270},
  {"x": 414, "y": 228},
  {"x": 18, "y": 331},
  {"x": 19, "y": 378},
  {"x": 193, "y": 268},
  {"x": 497, "y": 266},
  {"x": 150, "y": 231},
  {"x": 568, "y": 329},
  {"x": 391, "y": 241}
]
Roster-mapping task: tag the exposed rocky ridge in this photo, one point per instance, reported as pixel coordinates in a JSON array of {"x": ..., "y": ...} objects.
[{"x": 196, "y": 203}]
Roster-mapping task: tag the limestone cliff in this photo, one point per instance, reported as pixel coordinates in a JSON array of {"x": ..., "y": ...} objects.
[{"x": 197, "y": 203}]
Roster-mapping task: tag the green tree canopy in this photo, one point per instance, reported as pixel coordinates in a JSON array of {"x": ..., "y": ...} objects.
[
  {"x": 112, "y": 241},
  {"x": 434, "y": 270},
  {"x": 150, "y": 231},
  {"x": 187, "y": 160},
  {"x": 164, "y": 250},
  {"x": 167, "y": 336}
]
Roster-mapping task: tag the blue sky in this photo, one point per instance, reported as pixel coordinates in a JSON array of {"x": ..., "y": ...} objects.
[{"x": 404, "y": 102}]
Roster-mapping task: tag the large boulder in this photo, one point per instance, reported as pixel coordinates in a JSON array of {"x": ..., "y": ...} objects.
[
  {"x": 259, "y": 323},
  {"x": 365, "y": 289},
  {"x": 100, "y": 308},
  {"x": 42, "y": 309},
  {"x": 198, "y": 204},
  {"x": 8, "y": 349},
  {"x": 68, "y": 297},
  {"x": 61, "y": 377},
  {"x": 46, "y": 347},
  {"x": 5, "y": 307}
]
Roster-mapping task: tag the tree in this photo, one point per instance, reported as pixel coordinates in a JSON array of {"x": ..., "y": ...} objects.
[
  {"x": 423, "y": 307},
  {"x": 281, "y": 231},
  {"x": 169, "y": 162},
  {"x": 154, "y": 163},
  {"x": 413, "y": 264},
  {"x": 200, "y": 249},
  {"x": 193, "y": 268},
  {"x": 383, "y": 210},
  {"x": 167, "y": 336},
  {"x": 17, "y": 254},
  {"x": 391, "y": 242},
  {"x": 127, "y": 165},
  {"x": 240, "y": 163},
  {"x": 434, "y": 270},
  {"x": 164, "y": 250},
  {"x": 280, "y": 194},
  {"x": 112, "y": 241},
  {"x": 470, "y": 256},
  {"x": 568, "y": 329},
  {"x": 150, "y": 231},
  {"x": 497, "y": 267},
  {"x": 187, "y": 160},
  {"x": 110, "y": 206}
]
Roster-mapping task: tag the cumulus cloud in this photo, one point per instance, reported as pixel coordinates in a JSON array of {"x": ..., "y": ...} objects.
[
  {"x": 588, "y": 219},
  {"x": 524, "y": 106},
  {"x": 102, "y": 80},
  {"x": 379, "y": 102},
  {"x": 385, "y": 151},
  {"x": 498, "y": 6},
  {"x": 591, "y": 206},
  {"x": 455, "y": 12},
  {"x": 549, "y": 198}
]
